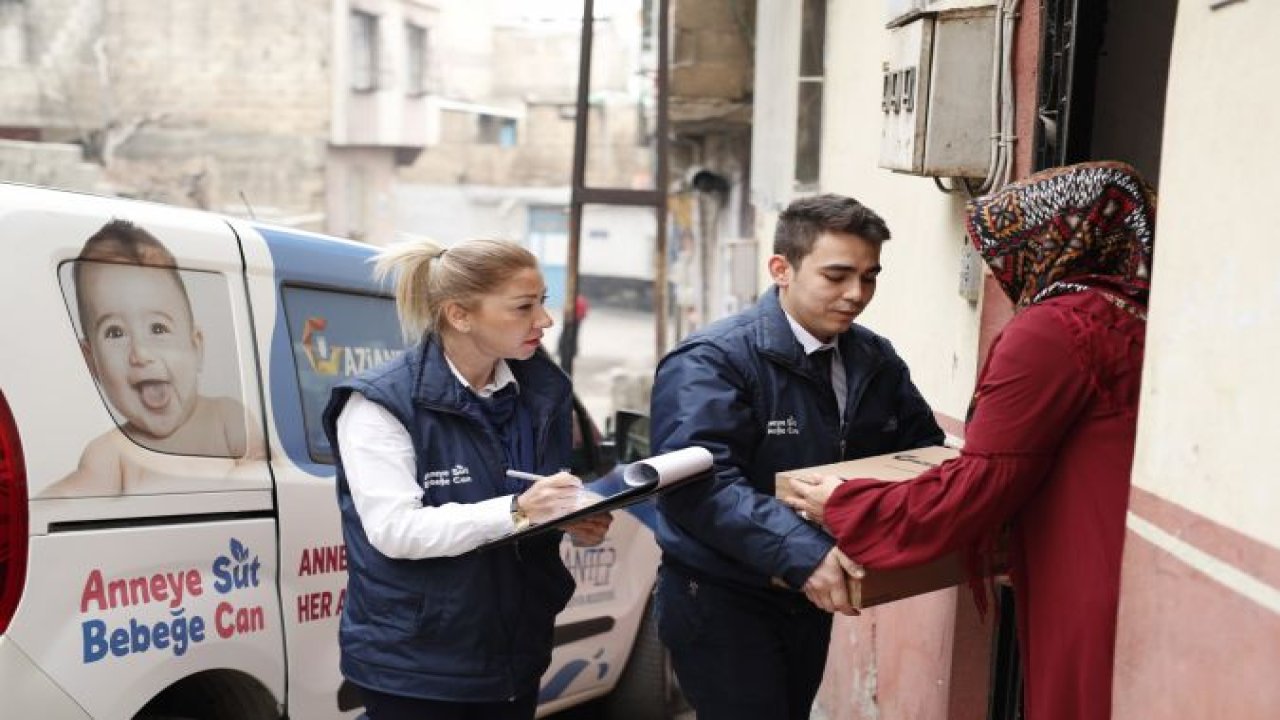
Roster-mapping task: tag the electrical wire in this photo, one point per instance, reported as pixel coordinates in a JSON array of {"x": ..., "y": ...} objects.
[{"x": 1003, "y": 139}]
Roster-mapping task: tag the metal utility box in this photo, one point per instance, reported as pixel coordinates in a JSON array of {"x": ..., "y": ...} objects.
[
  {"x": 896, "y": 9},
  {"x": 937, "y": 94}
]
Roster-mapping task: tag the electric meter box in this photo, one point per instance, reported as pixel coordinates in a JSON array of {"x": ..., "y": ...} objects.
[{"x": 937, "y": 93}]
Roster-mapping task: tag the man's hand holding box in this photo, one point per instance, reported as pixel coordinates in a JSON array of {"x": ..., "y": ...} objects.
[{"x": 880, "y": 586}]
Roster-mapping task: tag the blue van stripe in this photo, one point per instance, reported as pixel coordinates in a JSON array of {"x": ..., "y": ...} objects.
[{"x": 305, "y": 259}]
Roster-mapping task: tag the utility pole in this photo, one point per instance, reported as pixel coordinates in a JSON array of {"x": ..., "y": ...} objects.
[{"x": 655, "y": 198}]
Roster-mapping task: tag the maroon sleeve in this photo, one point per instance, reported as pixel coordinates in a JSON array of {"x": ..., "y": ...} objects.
[{"x": 1029, "y": 394}]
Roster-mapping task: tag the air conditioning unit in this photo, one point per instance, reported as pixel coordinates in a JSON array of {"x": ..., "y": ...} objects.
[{"x": 937, "y": 89}]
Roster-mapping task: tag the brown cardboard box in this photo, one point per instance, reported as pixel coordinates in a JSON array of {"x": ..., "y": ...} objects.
[{"x": 882, "y": 586}]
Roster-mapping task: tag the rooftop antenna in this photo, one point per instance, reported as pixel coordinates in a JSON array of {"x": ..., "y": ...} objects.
[{"x": 247, "y": 206}]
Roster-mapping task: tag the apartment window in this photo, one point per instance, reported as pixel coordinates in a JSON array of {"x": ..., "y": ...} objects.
[
  {"x": 364, "y": 51},
  {"x": 415, "y": 43},
  {"x": 813, "y": 36},
  {"x": 495, "y": 130}
]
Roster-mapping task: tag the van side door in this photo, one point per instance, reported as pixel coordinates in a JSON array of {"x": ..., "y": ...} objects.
[{"x": 319, "y": 319}]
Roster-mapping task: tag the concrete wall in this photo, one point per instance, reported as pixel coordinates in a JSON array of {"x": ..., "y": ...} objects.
[
  {"x": 242, "y": 105},
  {"x": 1200, "y": 612},
  {"x": 464, "y": 48},
  {"x": 543, "y": 153},
  {"x": 711, "y": 54},
  {"x": 458, "y": 158},
  {"x": 183, "y": 101},
  {"x": 45, "y": 60},
  {"x": 232, "y": 66},
  {"x": 360, "y": 194},
  {"x": 540, "y": 60},
  {"x": 51, "y": 165},
  {"x": 534, "y": 79}
]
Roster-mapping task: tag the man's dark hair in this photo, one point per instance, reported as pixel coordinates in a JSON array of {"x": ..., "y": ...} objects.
[{"x": 806, "y": 218}]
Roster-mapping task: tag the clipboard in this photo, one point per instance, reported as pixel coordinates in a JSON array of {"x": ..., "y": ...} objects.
[{"x": 641, "y": 480}]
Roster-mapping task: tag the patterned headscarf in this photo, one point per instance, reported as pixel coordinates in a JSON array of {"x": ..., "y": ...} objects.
[{"x": 1069, "y": 229}]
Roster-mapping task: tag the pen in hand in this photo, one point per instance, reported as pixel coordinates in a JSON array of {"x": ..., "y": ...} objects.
[
  {"x": 522, "y": 475},
  {"x": 547, "y": 495},
  {"x": 550, "y": 496}
]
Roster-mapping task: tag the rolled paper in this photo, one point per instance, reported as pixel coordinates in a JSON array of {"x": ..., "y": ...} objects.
[{"x": 668, "y": 467}]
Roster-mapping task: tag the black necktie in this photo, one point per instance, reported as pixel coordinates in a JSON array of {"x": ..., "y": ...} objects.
[{"x": 822, "y": 363}]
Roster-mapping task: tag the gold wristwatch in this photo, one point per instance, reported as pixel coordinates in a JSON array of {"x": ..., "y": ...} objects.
[{"x": 518, "y": 516}]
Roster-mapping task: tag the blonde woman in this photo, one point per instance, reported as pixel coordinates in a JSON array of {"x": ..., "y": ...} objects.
[{"x": 424, "y": 444}]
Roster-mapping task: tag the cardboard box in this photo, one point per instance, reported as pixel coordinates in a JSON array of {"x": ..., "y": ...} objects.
[{"x": 882, "y": 586}]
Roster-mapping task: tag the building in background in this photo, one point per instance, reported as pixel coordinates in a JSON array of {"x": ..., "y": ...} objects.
[
  {"x": 715, "y": 269},
  {"x": 293, "y": 112},
  {"x": 499, "y": 154},
  {"x": 313, "y": 113}
]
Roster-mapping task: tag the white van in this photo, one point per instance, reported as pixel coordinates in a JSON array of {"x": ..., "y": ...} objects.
[{"x": 169, "y": 534}]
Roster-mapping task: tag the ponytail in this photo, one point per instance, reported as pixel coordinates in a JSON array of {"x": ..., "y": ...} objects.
[
  {"x": 411, "y": 265},
  {"x": 426, "y": 279}
]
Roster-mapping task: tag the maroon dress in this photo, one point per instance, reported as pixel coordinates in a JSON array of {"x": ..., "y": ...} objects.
[{"x": 1048, "y": 454}]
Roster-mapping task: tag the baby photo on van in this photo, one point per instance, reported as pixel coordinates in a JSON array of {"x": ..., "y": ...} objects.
[{"x": 146, "y": 350}]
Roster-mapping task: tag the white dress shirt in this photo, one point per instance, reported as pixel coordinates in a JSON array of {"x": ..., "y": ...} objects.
[
  {"x": 811, "y": 345},
  {"x": 378, "y": 458}
]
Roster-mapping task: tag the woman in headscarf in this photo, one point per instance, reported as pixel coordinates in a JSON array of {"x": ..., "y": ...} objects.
[{"x": 1050, "y": 435}]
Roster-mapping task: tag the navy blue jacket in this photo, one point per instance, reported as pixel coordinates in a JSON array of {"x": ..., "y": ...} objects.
[
  {"x": 743, "y": 388},
  {"x": 477, "y": 627}
]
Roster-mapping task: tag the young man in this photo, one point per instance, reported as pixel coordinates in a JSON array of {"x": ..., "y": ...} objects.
[{"x": 747, "y": 586}]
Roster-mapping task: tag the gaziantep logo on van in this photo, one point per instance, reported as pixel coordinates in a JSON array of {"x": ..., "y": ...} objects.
[
  {"x": 149, "y": 612},
  {"x": 328, "y": 359},
  {"x": 323, "y": 359}
]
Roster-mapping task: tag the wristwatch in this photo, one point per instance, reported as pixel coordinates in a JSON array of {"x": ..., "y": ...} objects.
[{"x": 518, "y": 516}]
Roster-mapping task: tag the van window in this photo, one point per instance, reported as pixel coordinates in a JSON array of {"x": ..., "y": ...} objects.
[
  {"x": 335, "y": 335},
  {"x": 160, "y": 344}
]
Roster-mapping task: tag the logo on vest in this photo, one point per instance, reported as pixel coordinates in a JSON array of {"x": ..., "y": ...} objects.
[
  {"x": 456, "y": 475},
  {"x": 783, "y": 427}
]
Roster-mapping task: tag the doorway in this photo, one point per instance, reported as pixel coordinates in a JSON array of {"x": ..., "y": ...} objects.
[
  {"x": 1104, "y": 69},
  {"x": 1103, "y": 73}
]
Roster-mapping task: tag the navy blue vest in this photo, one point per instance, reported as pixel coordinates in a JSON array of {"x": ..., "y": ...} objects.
[{"x": 477, "y": 627}]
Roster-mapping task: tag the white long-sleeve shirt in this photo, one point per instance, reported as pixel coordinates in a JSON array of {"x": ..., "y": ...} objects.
[{"x": 380, "y": 466}]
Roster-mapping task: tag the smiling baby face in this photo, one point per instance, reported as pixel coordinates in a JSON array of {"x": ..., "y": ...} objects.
[{"x": 141, "y": 342}]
